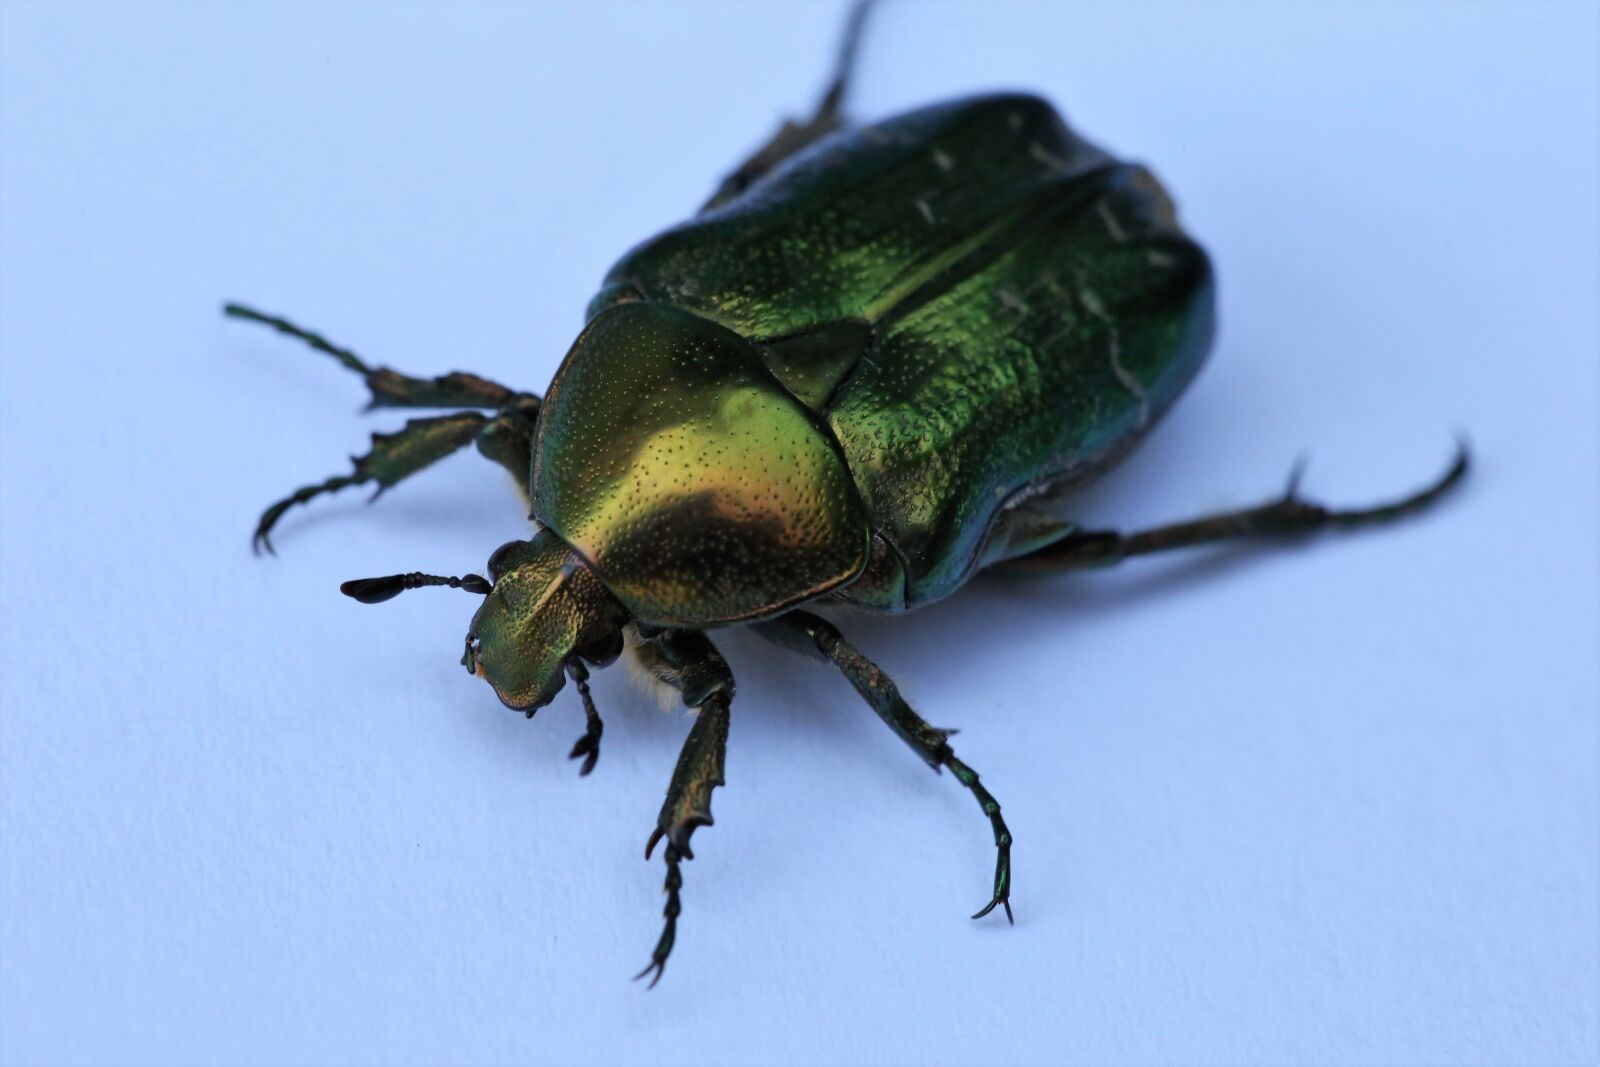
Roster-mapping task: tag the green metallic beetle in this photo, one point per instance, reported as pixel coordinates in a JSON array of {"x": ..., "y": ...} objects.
[{"x": 863, "y": 373}]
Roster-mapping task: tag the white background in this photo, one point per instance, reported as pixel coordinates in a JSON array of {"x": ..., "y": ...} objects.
[{"x": 1324, "y": 804}]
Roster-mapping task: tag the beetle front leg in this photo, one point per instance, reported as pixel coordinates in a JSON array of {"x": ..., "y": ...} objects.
[
  {"x": 1288, "y": 516},
  {"x": 687, "y": 661},
  {"x": 812, "y": 635}
]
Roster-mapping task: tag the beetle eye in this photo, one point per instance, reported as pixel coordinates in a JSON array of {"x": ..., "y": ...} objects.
[
  {"x": 603, "y": 651},
  {"x": 501, "y": 559}
]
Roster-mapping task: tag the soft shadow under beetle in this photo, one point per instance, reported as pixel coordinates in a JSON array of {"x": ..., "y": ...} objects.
[{"x": 866, "y": 370}]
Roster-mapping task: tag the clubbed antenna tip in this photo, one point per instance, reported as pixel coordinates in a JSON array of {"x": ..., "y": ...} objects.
[{"x": 377, "y": 590}]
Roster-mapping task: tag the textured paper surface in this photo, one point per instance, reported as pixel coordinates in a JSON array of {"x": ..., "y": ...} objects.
[{"x": 1327, "y": 804}]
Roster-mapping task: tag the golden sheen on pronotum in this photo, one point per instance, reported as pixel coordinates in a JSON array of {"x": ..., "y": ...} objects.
[{"x": 870, "y": 367}]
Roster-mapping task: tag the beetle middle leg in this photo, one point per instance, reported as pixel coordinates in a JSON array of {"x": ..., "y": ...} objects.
[
  {"x": 1288, "y": 516},
  {"x": 812, "y": 635},
  {"x": 506, "y": 439},
  {"x": 687, "y": 661}
]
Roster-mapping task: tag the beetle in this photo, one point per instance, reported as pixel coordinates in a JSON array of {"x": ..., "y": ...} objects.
[{"x": 865, "y": 371}]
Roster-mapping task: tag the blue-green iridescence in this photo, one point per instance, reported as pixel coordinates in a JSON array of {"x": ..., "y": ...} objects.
[{"x": 975, "y": 303}]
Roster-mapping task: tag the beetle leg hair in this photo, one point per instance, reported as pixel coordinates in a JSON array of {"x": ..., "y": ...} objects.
[
  {"x": 1288, "y": 516},
  {"x": 390, "y": 388},
  {"x": 812, "y": 635},
  {"x": 687, "y": 661},
  {"x": 794, "y": 136}
]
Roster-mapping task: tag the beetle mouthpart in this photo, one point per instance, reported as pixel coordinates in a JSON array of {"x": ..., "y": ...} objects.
[{"x": 377, "y": 590}]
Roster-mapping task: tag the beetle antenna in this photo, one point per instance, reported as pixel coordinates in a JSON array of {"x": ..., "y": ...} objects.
[
  {"x": 377, "y": 590},
  {"x": 588, "y": 745}
]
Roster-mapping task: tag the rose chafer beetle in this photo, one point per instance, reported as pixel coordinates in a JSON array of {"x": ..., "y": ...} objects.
[{"x": 865, "y": 371}]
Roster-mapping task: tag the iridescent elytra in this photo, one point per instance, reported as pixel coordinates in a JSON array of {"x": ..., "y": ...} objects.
[{"x": 874, "y": 364}]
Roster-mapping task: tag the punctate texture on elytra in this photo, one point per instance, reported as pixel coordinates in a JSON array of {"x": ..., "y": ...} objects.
[
  {"x": 870, "y": 367},
  {"x": 974, "y": 301}
]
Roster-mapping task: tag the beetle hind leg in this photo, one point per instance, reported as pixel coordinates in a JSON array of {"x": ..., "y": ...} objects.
[
  {"x": 390, "y": 388},
  {"x": 1002, "y": 834},
  {"x": 794, "y": 136},
  {"x": 506, "y": 437},
  {"x": 1288, "y": 516},
  {"x": 812, "y": 635}
]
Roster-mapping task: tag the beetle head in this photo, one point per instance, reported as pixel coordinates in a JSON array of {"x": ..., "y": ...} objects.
[
  {"x": 545, "y": 614},
  {"x": 546, "y": 611}
]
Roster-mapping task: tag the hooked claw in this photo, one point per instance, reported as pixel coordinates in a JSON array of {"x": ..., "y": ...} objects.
[
  {"x": 669, "y": 932},
  {"x": 658, "y": 965},
  {"x": 588, "y": 746},
  {"x": 1004, "y": 902}
]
